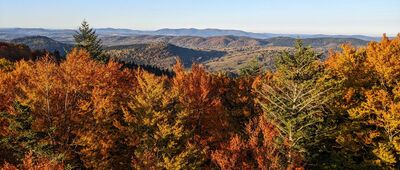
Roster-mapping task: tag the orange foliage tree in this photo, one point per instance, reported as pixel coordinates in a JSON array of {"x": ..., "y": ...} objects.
[
  {"x": 31, "y": 162},
  {"x": 79, "y": 98},
  {"x": 198, "y": 96},
  {"x": 257, "y": 150}
]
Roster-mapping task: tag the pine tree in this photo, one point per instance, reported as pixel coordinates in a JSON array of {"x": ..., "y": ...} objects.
[
  {"x": 294, "y": 99},
  {"x": 252, "y": 68},
  {"x": 87, "y": 39}
]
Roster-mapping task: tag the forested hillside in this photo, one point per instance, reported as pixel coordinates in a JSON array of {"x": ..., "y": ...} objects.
[
  {"x": 43, "y": 43},
  {"x": 16, "y": 52},
  {"x": 84, "y": 112},
  {"x": 162, "y": 55},
  {"x": 223, "y": 42},
  {"x": 223, "y": 53}
]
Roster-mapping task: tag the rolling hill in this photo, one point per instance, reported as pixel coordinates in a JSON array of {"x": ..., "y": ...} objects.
[
  {"x": 227, "y": 53},
  {"x": 316, "y": 42},
  {"x": 15, "y": 52},
  {"x": 42, "y": 42},
  {"x": 222, "y": 42},
  {"x": 162, "y": 55}
]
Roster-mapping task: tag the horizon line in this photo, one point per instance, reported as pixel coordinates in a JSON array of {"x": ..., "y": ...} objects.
[{"x": 223, "y": 29}]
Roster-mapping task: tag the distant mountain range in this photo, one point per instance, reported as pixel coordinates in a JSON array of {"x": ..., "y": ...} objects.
[{"x": 12, "y": 33}]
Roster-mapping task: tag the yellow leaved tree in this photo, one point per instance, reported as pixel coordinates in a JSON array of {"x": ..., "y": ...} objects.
[{"x": 370, "y": 96}]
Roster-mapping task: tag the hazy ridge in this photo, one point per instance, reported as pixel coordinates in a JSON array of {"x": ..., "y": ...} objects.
[{"x": 216, "y": 51}]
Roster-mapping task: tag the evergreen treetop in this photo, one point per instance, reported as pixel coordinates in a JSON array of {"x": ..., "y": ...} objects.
[{"x": 87, "y": 39}]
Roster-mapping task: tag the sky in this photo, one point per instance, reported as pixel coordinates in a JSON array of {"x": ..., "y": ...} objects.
[{"x": 366, "y": 17}]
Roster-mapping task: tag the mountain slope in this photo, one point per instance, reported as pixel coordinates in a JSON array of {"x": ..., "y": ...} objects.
[
  {"x": 42, "y": 42},
  {"x": 315, "y": 42},
  {"x": 221, "y": 42},
  {"x": 15, "y": 52},
  {"x": 162, "y": 55}
]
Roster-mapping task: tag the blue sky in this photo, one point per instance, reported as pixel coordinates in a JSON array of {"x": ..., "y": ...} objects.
[{"x": 368, "y": 17}]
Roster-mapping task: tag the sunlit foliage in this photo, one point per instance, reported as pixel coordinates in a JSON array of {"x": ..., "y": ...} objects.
[{"x": 341, "y": 112}]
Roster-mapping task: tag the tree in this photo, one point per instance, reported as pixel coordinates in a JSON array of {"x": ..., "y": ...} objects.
[
  {"x": 237, "y": 96},
  {"x": 294, "y": 99},
  {"x": 31, "y": 162},
  {"x": 87, "y": 39},
  {"x": 155, "y": 127},
  {"x": 369, "y": 102},
  {"x": 379, "y": 111},
  {"x": 23, "y": 137},
  {"x": 79, "y": 100},
  {"x": 256, "y": 150},
  {"x": 89, "y": 105},
  {"x": 198, "y": 96},
  {"x": 253, "y": 68},
  {"x": 6, "y": 65},
  {"x": 15, "y": 52}
]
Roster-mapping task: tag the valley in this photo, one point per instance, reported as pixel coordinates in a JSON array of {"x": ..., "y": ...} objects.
[{"x": 217, "y": 50}]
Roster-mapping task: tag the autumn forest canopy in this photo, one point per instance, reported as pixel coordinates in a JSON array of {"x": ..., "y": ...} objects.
[{"x": 309, "y": 111}]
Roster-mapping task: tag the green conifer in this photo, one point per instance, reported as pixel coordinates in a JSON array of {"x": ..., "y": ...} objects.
[
  {"x": 295, "y": 99},
  {"x": 87, "y": 39}
]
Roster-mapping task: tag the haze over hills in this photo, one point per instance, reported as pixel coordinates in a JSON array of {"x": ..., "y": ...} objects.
[
  {"x": 228, "y": 53},
  {"x": 12, "y": 33}
]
